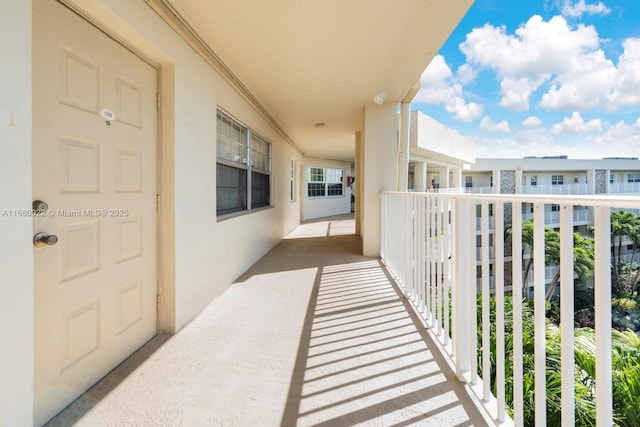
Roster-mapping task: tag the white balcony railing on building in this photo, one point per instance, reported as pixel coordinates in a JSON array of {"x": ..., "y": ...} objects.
[
  {"x": 624, "y": 187},
  {"x": 631, "y": 258},
  {"x": 428, "y": 243},
  {"x": 580, "y": 216},
  {"x": 575, "y": 189},
  {"x": 468, "y": 190}
]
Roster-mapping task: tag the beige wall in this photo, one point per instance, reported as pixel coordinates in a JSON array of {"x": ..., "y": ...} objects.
[
  {"x": 16, "y": 253},
  {"x": 209, "y": 254}
]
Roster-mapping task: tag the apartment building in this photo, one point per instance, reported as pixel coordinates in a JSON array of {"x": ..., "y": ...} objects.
[{"x": 555, "y": 175}]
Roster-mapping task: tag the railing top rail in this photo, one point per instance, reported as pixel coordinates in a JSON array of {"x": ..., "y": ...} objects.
[{"x": 629, "y": 202}]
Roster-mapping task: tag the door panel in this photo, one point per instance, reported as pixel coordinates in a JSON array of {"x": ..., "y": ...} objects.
[{"x": 95, "y": 288}]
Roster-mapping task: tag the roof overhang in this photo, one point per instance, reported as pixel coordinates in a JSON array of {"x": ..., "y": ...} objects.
[{"x": 303, "y": 63}]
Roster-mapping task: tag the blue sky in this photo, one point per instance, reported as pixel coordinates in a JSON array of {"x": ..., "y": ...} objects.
[{"x": 541, "y": 77}]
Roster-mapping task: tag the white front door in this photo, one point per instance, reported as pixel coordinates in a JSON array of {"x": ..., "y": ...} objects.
[{"x": 94, "y": 165}]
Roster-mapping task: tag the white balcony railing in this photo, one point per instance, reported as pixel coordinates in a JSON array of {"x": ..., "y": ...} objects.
[
  {"x": 631, "y": 257},
  {"x": 580, "y": 216},
  {"x": 624, "y": 187},
  {"x": 575, "y": 189},
  {"x": 428, "y": 243}
]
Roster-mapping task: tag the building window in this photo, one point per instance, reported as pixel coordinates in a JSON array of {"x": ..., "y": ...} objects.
[
  {"x": 324, "y": 182},
  {"x": 612, "y": 178},
  {"x": 491, "y": 181},
  {"x": 534, "y": 180},
  {"x": 468, "y": 181},
  {"x": 555, "y": 208},
  {"x": 557, "y": 179},
  {"x": 243, "y": 167},
  {"x": 633, "y": 177}
]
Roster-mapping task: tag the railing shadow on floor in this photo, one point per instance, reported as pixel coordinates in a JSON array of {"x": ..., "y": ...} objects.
[{"x": 369, "y": 359}]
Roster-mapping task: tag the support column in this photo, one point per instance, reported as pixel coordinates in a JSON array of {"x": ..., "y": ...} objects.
[
  {"x": 519, "y": 180},
  {"x": 591, "y": 181},
  {"x": 403, "y": 146},
  {"x": 457, "y": 178},
  {"x": 380, "y": 169},
  {"x": 420, "y": 176},
  {"x": 444, "y": 177},
  {"x": 496, "y": 181},
  {"x": 359, "y": 181}
]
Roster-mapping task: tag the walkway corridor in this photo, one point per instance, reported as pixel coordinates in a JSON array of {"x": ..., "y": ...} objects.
[{"x": 312, "y": 335}]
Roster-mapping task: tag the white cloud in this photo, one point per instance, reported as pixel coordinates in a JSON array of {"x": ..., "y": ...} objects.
[
  {"x": 540, "y": 51},
  {"x": 466, "y": 74},
  {"x": 576, "y": 125},
  {"x": 461, "y": 110},
  {"x": 531, "y": 122},
  {"x": 627, "y": 80},
  {"x": 580, "y": 8},
  {"x": 439, "y": 86},
  {"x": 612, "y": 140},
  {"x": 487, "y": 125},
  {"x": 516, "y": 93}
]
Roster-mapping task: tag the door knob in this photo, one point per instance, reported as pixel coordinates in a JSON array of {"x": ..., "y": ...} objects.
[{"x": 43, "y": 239}]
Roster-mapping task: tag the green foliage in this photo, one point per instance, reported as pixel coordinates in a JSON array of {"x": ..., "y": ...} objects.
[
  {"x": 626, "y": 368},
  {"x": 624, "y": 224}
]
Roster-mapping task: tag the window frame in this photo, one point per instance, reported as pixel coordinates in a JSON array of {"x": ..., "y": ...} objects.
[
  {"x": 533, "y": 180},
  {"x": 468, "y": 181},
  {"x": 557, "y": 179},
  {"x": 324, "y": 184},
  {"x": 633, "y": 177},
  {"x": 246, "y": 163}
]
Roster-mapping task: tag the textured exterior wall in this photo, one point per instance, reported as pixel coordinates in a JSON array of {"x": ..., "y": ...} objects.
[
  {"x": 601, "y": 182},
  {"x": 508, "y": 182}
]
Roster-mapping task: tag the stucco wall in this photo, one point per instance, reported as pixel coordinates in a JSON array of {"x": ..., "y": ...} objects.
[
  {"x": 16, "y": 253},
  {"x": 380, "y": 169},
  {"x": 209, "y": 254},
  {"x": 318, "y": 207}
]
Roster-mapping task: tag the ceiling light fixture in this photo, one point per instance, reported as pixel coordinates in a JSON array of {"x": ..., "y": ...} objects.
[
  {"x": 319, "y": 125},
  {"x": 380, "y": 98}
]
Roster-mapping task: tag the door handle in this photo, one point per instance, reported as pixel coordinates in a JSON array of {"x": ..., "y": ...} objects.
[{"x": 42, "y": 239}]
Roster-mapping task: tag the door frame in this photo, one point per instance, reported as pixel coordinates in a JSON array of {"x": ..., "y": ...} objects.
[{"x": 99, "y": 18}]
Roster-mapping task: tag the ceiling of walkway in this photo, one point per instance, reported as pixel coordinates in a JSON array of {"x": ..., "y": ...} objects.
[{"x": 310, "y": 62}]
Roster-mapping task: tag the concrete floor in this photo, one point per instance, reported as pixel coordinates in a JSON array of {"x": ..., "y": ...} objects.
[{"x": 312, "y": 335}]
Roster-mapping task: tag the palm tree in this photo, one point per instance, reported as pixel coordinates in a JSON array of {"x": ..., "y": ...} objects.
[
  {"x": 583, "y": 262},
  {"x": 551, "y": 243},
  {"x": 623, "y": 223},
  {"x": 625, "y": 351}
]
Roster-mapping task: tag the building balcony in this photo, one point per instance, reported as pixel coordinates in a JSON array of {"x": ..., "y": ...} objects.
[
  {"x": 316, "y": 334},
  {"x": 571, "y": 189},
  {"x": 581, "y": 216},
  {"x": 624, "y": 187},
  {"x": 449, "y": 304},
  {"x": 313, "y": 334}
]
